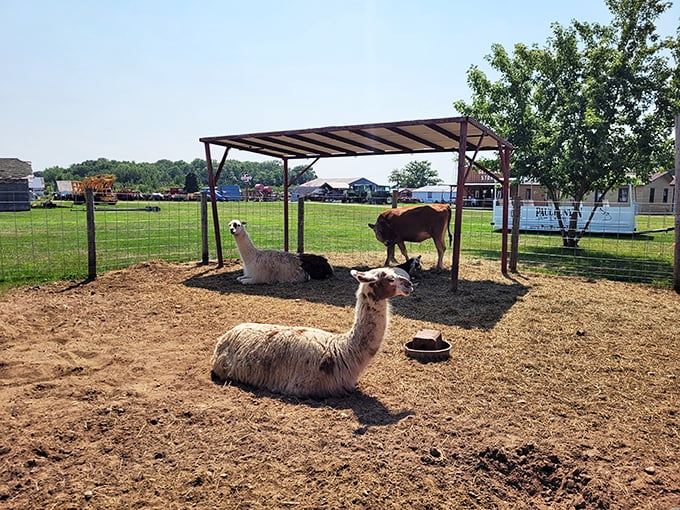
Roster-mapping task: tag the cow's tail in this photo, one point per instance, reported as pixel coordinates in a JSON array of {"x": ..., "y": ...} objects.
[{"x": 448, "y": 227}]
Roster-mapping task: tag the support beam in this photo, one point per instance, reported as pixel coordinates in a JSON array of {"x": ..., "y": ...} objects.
[
  {"x": 505, "y": 166},
  {"x": 285, "y": 204},
  {"x": 213, "y": 200},
  {"x": 460, "y": 191},
  {"x": 294, "y": 180}
]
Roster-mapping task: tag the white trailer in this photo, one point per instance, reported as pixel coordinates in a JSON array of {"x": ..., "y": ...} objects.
[{"x": 616, "y": 218}]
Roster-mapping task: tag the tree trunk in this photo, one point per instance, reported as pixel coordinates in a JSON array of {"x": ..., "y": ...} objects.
[{"x": 571, "y": 239}]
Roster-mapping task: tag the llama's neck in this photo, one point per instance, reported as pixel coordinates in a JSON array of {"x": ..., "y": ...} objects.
[
  {"x": 370, "y": 322},
  {"x": 245, "y": 246}
]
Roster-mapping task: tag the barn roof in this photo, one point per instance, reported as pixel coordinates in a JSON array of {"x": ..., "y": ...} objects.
[
  {"x": 64, "y": 186},
  {"x": 334, "y": 182},
  {"x": 13, "y": 168},
  {"x": 405, "y": 137},
  {"x": 434, "y": 188}
]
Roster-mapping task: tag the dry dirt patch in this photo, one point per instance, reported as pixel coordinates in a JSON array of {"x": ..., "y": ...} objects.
[{"x": 560, "y": 393}]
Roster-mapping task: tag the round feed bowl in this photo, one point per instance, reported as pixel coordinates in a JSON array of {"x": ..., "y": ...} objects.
[{"x": 428, "y": 354}]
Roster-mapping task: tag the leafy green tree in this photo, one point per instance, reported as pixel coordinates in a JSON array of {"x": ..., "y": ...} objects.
[
  {"x": 415, "y": 174},
  {"x": 191, "y": 183},
  {"x": 591, "y": 108},
  {"x": 309, "y": 175}
]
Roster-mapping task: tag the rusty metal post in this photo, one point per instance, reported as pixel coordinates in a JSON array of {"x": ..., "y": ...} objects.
[
  {"x": 285, "y": 204},
  {"x": 506, "y": 213},
  {"x": 505, "y": 163},
  {"x": 460, "y": 190},
  {"x": 514, "y": 233},
  {"x": 213, "y": 201}
]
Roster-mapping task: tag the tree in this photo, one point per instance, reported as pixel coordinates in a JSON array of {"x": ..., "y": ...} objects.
[
  {"x": 590, "y": 109},
  {"x": 415, "y": 174},
  {"x": 148, "y": 177},
  {"x": 309, "y": 175},
  {"x": 191, "y": 183}
]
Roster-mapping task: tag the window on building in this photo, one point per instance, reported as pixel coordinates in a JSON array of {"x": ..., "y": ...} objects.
[
  {"x": 651, "y": 195},
  {"x": 623, "y": 195},
  {"x": 664, "y": 197},
  {"x": 527, "y": 194}
]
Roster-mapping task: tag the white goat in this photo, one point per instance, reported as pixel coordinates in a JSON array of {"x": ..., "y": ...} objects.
[
  {"x": 309, "y": 362},
  {"x": 272, "y": 266}
]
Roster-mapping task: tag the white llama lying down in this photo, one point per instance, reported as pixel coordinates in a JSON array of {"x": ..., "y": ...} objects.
[
  {"x": 309, "y": 362},
  {"x": 273, "y": 266}
]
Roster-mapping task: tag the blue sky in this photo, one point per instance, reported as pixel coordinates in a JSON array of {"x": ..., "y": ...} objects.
[{"x": 143, "y": 80}]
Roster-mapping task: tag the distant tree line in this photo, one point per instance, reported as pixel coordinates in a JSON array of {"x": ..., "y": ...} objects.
[{"x": 164, "y": 174}]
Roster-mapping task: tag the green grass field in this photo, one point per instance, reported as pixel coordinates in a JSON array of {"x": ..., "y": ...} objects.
[{"x": 51, "y": 243}]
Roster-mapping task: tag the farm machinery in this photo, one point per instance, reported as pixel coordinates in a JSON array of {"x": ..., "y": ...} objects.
[{"x": 101, "y": 185}]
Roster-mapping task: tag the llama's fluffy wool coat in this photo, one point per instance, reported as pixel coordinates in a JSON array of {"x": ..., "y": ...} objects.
[
  {"x": 274, "y": 266},
  {"x": 309, "y": 362}
]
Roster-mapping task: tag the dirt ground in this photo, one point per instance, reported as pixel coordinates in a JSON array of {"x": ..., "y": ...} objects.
[{"x": 559, "y": 393}]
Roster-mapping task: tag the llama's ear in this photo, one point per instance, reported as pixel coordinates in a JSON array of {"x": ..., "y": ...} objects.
[
  {"x": 362, "y": 276},
  {"x": 371, "y": 225},
  {"x": 244, "y": 223}
]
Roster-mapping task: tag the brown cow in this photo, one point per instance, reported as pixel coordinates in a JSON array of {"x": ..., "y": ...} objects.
[{"x": 413, "y": 224}]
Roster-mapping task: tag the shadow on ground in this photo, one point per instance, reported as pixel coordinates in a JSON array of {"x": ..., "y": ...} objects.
[
  {"x": 368, "y": 410},
  {"x": 476, "y": 304}
]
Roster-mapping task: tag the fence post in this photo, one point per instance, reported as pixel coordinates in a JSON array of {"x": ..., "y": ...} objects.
[
  {"x": 301, "y": 225},
  {"x": 91, "y": 244},
  {"x": 395, "y": 198},
  {"x": 676, "y": 204},
  {"x": 204, "y": 228},
  {"x": 514, "y": 233}
]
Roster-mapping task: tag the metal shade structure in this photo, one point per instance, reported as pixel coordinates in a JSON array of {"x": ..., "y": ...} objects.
[{"x": 462, "y": 135}]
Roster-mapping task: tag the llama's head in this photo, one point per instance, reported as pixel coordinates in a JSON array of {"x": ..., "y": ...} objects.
[
  {"x": 384, "y": 282},
  {"x": 236, "y": 227}
]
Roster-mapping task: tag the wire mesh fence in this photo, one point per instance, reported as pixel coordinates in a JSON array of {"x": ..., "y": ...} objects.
[{"x": 47, "y": 243}]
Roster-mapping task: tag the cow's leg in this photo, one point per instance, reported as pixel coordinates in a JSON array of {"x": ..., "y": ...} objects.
[
  {"x": 390, "y": 255},
  {"x": 402, "y": 248},
  {"x": 441, "y": 248}
]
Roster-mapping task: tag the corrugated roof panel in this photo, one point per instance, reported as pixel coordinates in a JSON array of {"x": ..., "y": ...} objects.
[{"x": 434, "y": 135}]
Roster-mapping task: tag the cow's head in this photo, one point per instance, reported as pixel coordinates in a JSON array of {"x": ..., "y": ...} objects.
[{"x": 383, "y": 232}]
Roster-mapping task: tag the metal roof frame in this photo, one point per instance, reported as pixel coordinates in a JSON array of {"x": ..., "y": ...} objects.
[{"x": 460, "y": 135}]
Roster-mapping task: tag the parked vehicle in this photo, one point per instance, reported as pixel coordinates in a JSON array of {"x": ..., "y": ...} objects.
[{"x": 230, "y": 192}]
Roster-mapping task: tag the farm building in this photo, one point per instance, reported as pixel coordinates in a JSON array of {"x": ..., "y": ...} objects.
[
  {"x": 14, "y": 192},
  {"x": 658, "y": 195},
  {"x": 479, "y": 188},
  {"x": 439, "y": 193},
  {"x": 64, "y": 190},
  {"x": 36, "y": 185},
  {"x": 332, "y": 189}
]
